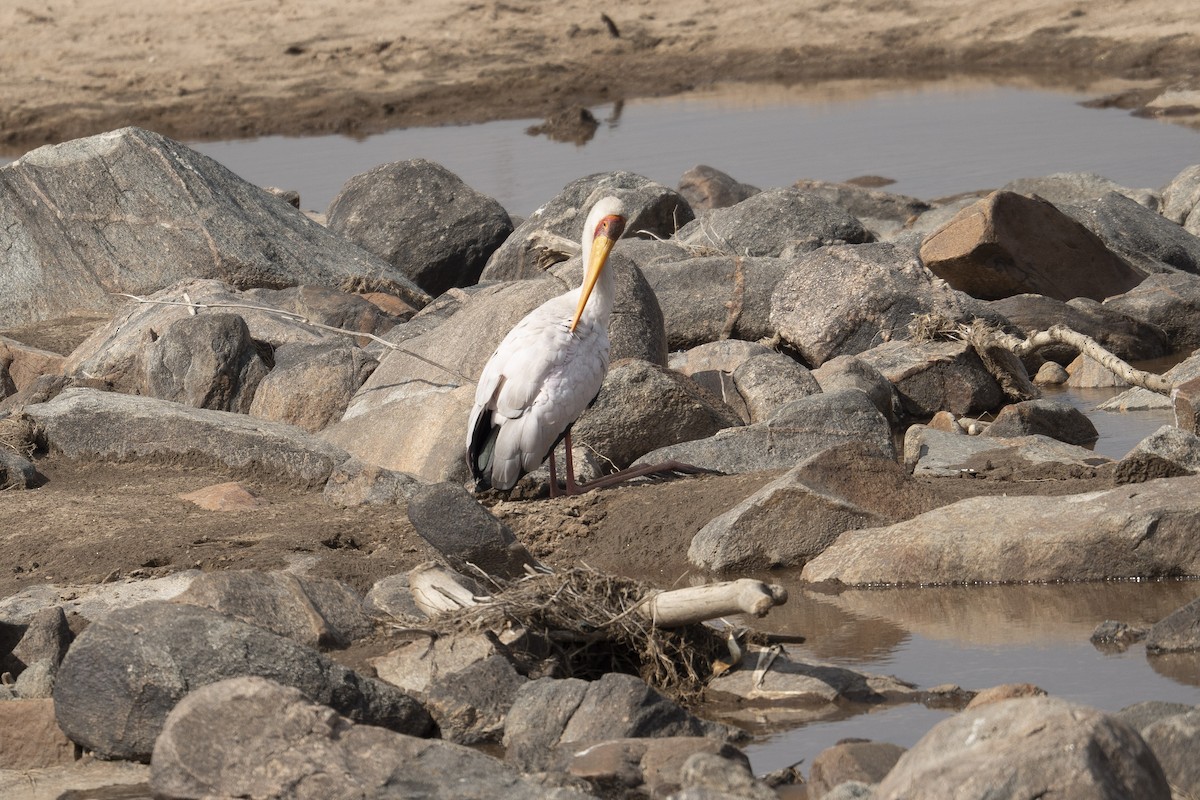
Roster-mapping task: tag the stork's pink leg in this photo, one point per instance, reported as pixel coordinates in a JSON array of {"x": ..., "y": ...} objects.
[
  {"x": 572, "y": 487},
  {"x": 554, "y": 477}
]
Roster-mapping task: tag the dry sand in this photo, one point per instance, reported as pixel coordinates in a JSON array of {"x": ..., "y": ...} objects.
[{"x": 243, "y": 67}]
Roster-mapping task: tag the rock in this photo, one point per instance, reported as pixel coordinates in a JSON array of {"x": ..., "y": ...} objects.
[
  {"x": 317, "y": 612},
  {"x": 21, "y": 365},
  {"x": 649, "y": 766},
  {"x": 390, "y": 599},
  {"x": 549, "y": 712},
  {"x": 861, "y": 761},
  {"x": 362, "y": 313},
  {"x": 86, "y": 424},
  {"x": 654, "y": 210},
  {"x": 1033, "y": 747},
  {"x": 797, "y": 681},
  {"x": 356, "y": 483},
  {"x": 46, "y": 638},
  {"x": 1170, "y": 302},
  {"x": 16, "y": 471},
  {"x": 82, "y": 777},
  {"x": 30, "y": 737},
  {"x": 92, "y": 602},
  {"x": 798, "y": 430},
  {"x": 125, "y": 673},
  {"x": 206, "y": 361},
  {"x": 117, "y": 352},
  {"x": 1087, "y": 373},
  {"x": 770, "y": 222},
  {"x": 170, "y": 213},
  {"x": 1122, "y": 335},
  {"x": 935, "y": 376},
  {"x": 1181, "y": 377},
  {"x": 422, "y": 219},
  {"x": 1005, "y": 691},
  {"x": 706, "y": 188},
  {"x": 717, "y": 776},
  {"x": 292, "y": 747},
  {"x": 712, "y": 366},
  {"x": 1178, "y": 632},
  {"x": 417, "y": 666},
  {"x": 1174, "y": 741},
  {"x": 310, "y": 385},
  {"x": 1145, "y": 238},
  {"x": 1075, "y": 188},
  {"x": 1007, "y": 244},
  {"x": 228, "y": 497},
  {"x": 470, "y": 705},
  {"x": 1114, "y": 635},
  {"x": 1050, "y": 374},
  {"x": 642, "y": 407},
  {"x": 850, "y": 372},
  {"x": 844, "y": 300},
  {"x": 850, "y": 790},
  {"x": 1093, "y": 536},
  {"x": 1180, "y": 197},
  {"x": 36, "y": 681},
  {"x": 1185, "y": 402},
  {"x": 1167, "y": 453},
  {"x": 785, "y": 523},
  {"x": 467, "y": 535},
  {"x": 768, "y": 381},
  {"x": 709, "y": 298},
  {"x": 882, "y": 213},
  {"x": 1140, "y": 716},
  {"x": 637, "y": 328},
  {"x": 1057, "y": 419}
]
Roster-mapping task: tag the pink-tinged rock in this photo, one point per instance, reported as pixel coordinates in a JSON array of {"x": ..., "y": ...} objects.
[
  {"x": 1008, "y": 244},
  {"x": 230, "y": 496}
]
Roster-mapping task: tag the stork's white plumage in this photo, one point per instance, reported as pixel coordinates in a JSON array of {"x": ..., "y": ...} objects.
[{"x": 548, "y": 369}]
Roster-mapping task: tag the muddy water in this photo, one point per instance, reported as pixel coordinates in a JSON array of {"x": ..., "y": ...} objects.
[{"x": 933, "y": 141}]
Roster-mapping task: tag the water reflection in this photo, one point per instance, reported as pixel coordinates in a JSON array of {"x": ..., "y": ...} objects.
[{"x": 975, "y": 637}]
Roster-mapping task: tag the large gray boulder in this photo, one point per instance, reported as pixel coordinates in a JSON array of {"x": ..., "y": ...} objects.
[
  {"x": 798, "y": 430},
  {"x": 87, "y": 424},
  {"x": 935, "y": 453},
  {"x": 1032, "y": 747},
  {"x": 707, "y": 188},
  {"x": 206, "y": 361},
  {"x": 1169, "y": 302},
  {"x": 289, "y": 746},
  {"x": 708, "y": 298},
  {"x": 1009, "y": 244},
  {"x": 934, "y": 376},
  {"x": 1141, "y": 531},
  {"x": 317, "y": 612},
  {"x": 1180, "y": 198},
  {"x": 880, "y": 212},
  {"x": 842, "y": 300},
  {"x": 654, "y": 210},
  {"x": 1075, "y": 188},
  {"x": 132, "y": 211},
  {"x": 1175, "y": 740},
  {"x": 118, "y": 351},
  {"x": 422, "y": 219},
  {"x": 1145, "y": 238},
  {"x": 124, "y": 674},
  {"x": 1167, "y": 453},
  {"x": 771, "y": 222},
  {"x": 1057, "y": 419},
  {"x": 310, "y": 385},
  {"x": 642, "y": 407},
  {"x": 548, "y": 713},
  {"x": 1123, "y": 335},
  {"x": 1178, "y": 632}
]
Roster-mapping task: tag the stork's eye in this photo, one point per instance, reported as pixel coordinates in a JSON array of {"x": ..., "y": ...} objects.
[{"x": 611, "y": 226}]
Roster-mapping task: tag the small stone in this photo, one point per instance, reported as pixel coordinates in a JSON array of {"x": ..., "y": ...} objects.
[{"x": 230, "y": 496}]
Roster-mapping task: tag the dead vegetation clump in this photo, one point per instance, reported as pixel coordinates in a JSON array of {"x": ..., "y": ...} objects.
[{"x": 590, "y": 624}]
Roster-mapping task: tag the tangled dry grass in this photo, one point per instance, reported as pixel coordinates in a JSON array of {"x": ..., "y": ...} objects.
[{"x": 590, "y": 623}]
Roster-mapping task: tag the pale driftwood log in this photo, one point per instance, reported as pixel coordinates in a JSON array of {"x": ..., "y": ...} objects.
[
  {"x": 1088, "y": 347},
  {"x": 437, "y": 589},
  {"x": 679, "y": 607}
]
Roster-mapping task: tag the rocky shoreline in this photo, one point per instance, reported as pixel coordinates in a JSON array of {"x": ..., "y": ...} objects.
[{"x": 835, "y": 354}]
